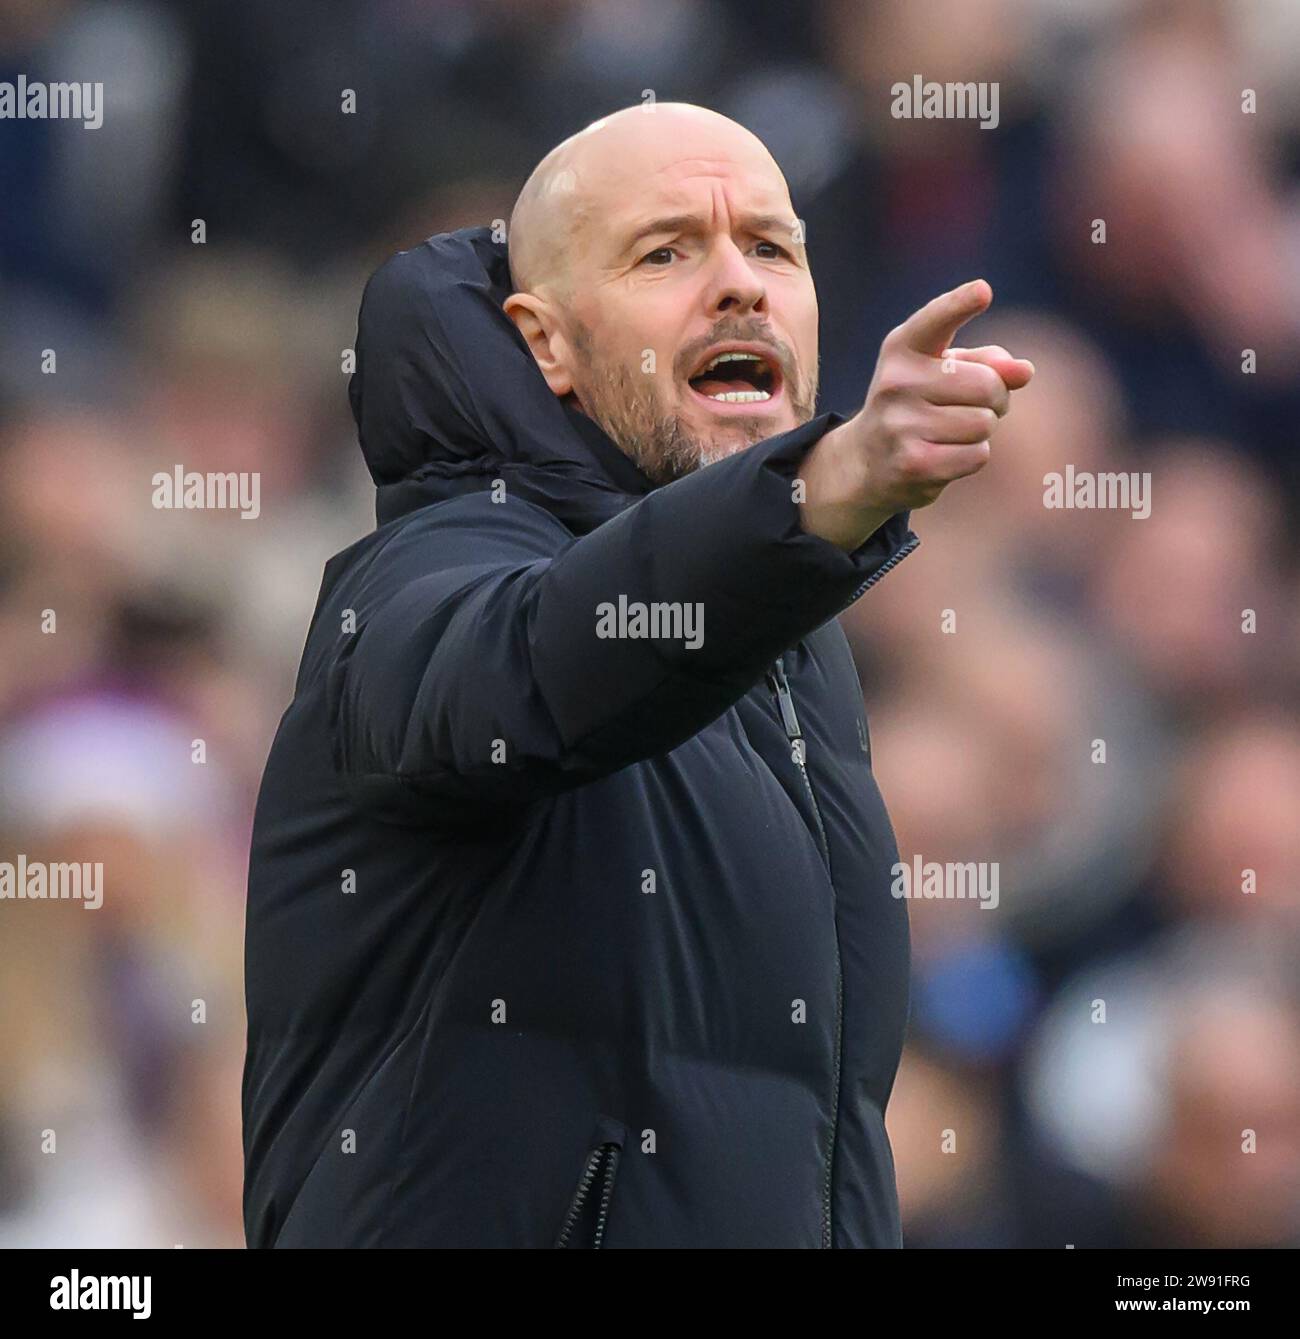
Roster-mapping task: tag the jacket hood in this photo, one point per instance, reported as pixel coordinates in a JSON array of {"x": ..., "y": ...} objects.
[{"x": 447, "y": 397}]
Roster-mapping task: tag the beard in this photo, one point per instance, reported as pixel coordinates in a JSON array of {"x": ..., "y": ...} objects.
[{"x": 627, "y": 405}]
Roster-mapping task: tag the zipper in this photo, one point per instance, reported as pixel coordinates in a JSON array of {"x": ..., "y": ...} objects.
[
  {"x": 884, "y": 567},
  {"x": 602, "y": 1163},
  {"x": 798, "y": 750},
  {"x": 798, "y": 746}
]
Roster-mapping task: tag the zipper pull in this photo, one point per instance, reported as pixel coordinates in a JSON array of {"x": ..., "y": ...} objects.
[{"x": 785, "y": 702}]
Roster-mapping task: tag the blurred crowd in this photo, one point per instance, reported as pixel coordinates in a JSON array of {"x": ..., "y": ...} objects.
[{"x": 1112, "y": 1055}]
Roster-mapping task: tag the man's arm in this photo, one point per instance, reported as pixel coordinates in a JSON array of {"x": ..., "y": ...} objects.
[
  {"x": 479, "y": 675},
  {"x": 484, "y": 674}
]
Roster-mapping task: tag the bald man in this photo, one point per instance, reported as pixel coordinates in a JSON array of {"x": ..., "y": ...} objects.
[{"x": 570, "y": 919}]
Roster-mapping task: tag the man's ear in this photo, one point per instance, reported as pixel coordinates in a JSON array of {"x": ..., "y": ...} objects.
[{"x": 551, "y": 351}]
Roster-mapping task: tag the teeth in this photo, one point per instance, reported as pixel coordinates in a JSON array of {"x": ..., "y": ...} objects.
[
  {"x": 733, "y": 357},
  {"x": 741, "y": 397}
]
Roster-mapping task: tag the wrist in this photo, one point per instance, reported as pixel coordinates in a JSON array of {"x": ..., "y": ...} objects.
[{"x": 834, "y": 504}]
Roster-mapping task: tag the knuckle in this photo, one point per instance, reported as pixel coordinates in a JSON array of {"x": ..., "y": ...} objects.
[
  {"x": 913, "y": 466},
  {"x": 990, "y": 383},
  {"x": 980, "y": 458},
  {"x": 891, "y": 379},
  {"x": 898, "y": 418}
]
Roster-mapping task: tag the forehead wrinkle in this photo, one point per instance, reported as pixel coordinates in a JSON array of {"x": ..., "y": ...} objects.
[{"x": 701, "y": 167}]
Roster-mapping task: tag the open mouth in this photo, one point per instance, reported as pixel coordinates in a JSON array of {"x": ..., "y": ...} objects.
[{"x": 738, "y": 376}]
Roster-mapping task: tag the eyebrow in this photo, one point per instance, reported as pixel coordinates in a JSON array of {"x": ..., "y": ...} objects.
[{"x": 673, "y": 223}]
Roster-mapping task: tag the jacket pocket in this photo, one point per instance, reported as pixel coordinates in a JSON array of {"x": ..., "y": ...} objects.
[{"x": 587, "y": 1216}]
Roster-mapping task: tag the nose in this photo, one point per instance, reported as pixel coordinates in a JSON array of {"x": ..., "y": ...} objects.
[{"x": 735, "y": 287}]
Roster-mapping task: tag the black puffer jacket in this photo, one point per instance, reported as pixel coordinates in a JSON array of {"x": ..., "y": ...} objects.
[{"x": 554, "y": 938}]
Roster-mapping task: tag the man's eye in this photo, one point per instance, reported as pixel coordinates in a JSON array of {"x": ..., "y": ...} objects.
[
  {"x": 780, "y": 250},
  {"x": 649, "y": 256}
]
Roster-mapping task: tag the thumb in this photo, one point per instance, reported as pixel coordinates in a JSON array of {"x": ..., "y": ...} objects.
[{"x": 1015, "y": 372}]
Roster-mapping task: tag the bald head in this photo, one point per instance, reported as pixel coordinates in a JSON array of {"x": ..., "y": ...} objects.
[{"x": 640, "y": 245}]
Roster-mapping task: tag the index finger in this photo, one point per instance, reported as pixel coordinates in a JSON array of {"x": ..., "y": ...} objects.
[{"x": 932, "y": 329}]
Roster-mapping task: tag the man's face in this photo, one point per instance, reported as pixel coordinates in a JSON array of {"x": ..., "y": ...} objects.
[{"x": 689, "y": 250}]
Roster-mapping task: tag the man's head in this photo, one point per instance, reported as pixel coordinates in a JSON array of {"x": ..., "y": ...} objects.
[{"x": 641, "y": 248}]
